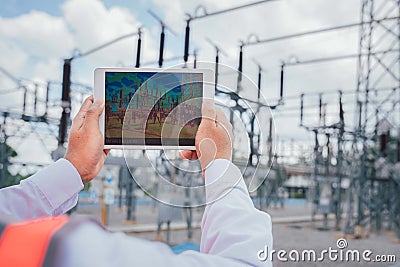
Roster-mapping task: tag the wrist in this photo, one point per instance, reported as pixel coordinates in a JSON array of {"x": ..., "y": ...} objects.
[
  {"x": 217, "y": 156},
  {"x": 76, "y": 166},
  {"x": 215, "y": 169}
]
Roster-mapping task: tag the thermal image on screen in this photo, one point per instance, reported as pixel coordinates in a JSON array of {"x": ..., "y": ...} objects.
[{"x": 150, "y": 106}]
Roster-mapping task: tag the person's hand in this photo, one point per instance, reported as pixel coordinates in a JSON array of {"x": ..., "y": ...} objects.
[
  {"x": 213, "y": 138},
  {"x": 85, "y": 144}
]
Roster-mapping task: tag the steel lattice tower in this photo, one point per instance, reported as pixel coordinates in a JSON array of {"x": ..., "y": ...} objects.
[{"x": 373, "y": 197}]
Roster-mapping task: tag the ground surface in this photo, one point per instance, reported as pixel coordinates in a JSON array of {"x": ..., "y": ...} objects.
[{"x": 287, "y": 236}]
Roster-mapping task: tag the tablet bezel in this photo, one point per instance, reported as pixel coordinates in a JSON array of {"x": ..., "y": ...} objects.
[{"x": 99, "y": 93}]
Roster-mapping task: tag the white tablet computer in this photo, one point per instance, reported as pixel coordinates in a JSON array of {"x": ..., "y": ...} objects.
[{"x": 151, "y": 108}]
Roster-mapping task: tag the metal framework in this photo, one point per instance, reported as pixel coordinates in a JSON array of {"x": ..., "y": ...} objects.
[
  {"x": 374, "y": 196},
  {"x": 326, "y": 193},
  {"x": 366, "y": 152},
  {"x": 38, "y": 115}
]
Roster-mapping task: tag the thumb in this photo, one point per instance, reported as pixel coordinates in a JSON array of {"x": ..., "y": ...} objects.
[
  {"x": 80, "y": 116},
  {"x": 206, "y": 152},
  {"x": 93, "y": 114},
  {"x": 208, "y": 110}
]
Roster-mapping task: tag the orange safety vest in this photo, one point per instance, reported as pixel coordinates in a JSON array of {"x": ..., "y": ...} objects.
[{"x": 32, "y": 243}]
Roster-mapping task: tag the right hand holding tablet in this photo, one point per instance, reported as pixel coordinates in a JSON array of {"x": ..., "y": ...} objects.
[{"x": 213, "y": 138}]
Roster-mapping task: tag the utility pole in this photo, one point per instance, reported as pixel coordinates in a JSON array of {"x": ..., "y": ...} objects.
[
  {"x": 217, "y": 52},
  {"x": 65, "y": 102},
  {"x": 161, "y": 52},
  {"x": 282, "y": 81},
  {"x": 240, "y": 68},
  {"x": 195, "y": 59},
  {"x": 339, "y": 164},
  {"x": 4, "y": 154},
  {"x": 138, "y": 49},
  {"x": 255, "y": 149},
  {"x": 47, "y": 98}
]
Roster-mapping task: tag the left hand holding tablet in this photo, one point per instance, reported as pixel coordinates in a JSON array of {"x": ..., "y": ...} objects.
[{"x": 85, "y": 144}]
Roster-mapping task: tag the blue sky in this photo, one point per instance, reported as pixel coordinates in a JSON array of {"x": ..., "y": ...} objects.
[
  {"x": 13, "y": 8},
  {"x": 35, "y": 36}
]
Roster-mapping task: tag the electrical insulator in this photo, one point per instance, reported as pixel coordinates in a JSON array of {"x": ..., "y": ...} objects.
[
  {"x": 161, "y": 55},
  {"x": 301, "y": 109},
  {"x": 282, "y": 75},
  {"x": 187, "y": 34},
  {"x": 139, "y": 45}
]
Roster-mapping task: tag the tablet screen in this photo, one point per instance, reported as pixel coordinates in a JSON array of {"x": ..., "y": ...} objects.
[{"x": 152, "y": 108}]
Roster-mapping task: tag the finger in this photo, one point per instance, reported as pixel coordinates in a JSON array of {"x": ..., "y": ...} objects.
[
  {"x": 80, "y": 116},
  {"x": 207, "y": 150},
  {"x": 106, "y": 151},
  {"x": 222, "y": 119},
  {"x": 208, "y": 110},
  {"x": 93, "y": 114},
  {"x": 220, "y": 116},
  {"x": 188, "y": 154}
]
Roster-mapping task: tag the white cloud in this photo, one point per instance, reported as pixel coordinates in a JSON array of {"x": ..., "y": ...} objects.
[
  {"x": 173, "y": 10},
  {"x": 100, "y": 25},
  {"x": 38, "y": 33},
  {"x": 49, "y": 69},
  {"x": 12, "y": 57},
  {"x": 33, "y": 44},
  {"x": 92, "y": 23},
  {"x": 30, "y": 46}
]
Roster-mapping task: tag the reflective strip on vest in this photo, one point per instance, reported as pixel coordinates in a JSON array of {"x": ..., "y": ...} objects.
[{"x": 25, "y": 244}]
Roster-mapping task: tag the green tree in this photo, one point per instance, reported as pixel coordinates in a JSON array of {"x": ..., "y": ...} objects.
[{"x": 7, "y": 178}]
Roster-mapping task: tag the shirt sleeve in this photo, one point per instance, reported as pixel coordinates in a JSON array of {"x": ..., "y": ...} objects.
[
  {"x": 233, "y": 231},
  {"x": 231, "y": 226},
  {"x": 51, "y": 191}
]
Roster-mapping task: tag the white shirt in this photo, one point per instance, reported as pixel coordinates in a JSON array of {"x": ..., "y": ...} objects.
[
  {"x": 51, "y": 191},
  {"x": 233, "y": 230}
]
